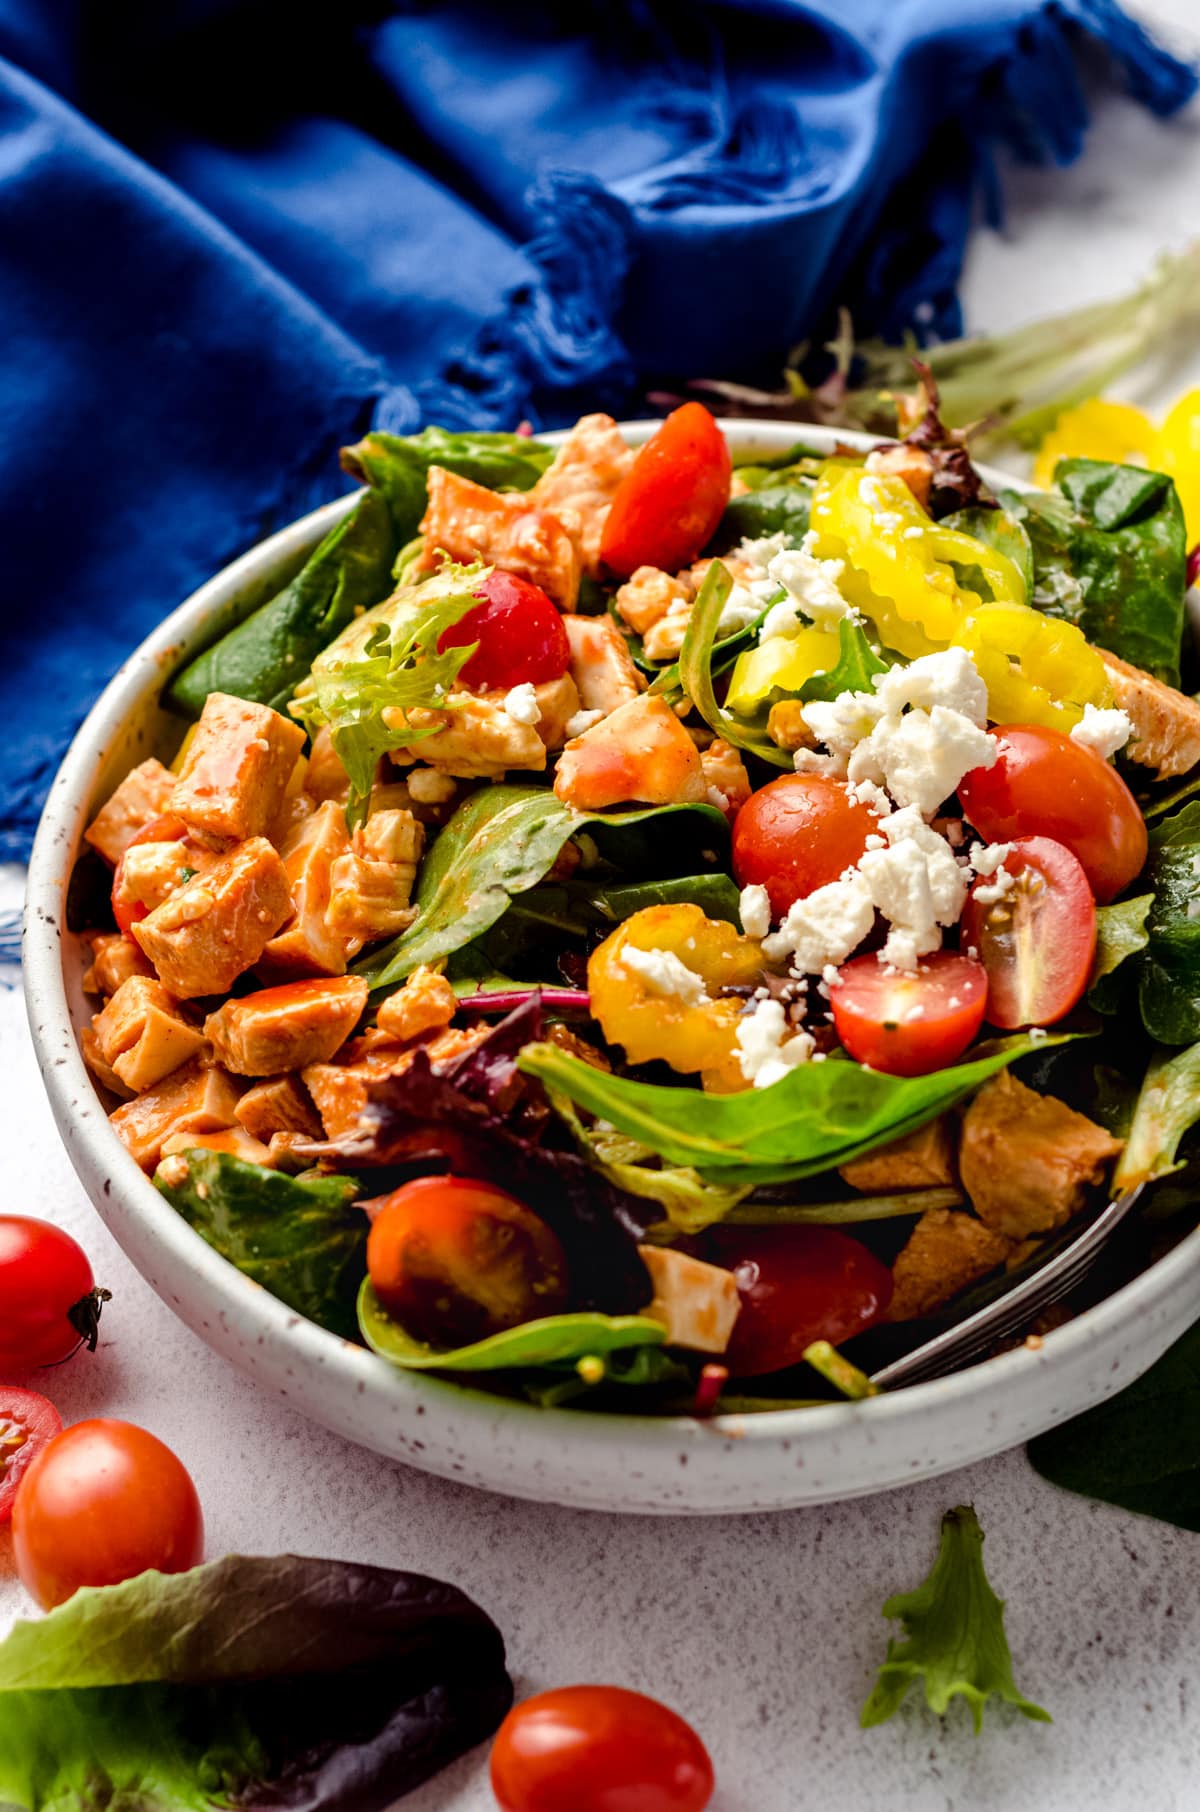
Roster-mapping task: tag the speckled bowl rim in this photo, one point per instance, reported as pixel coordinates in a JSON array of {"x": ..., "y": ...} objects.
[{"x": 1165, "y": 1295}]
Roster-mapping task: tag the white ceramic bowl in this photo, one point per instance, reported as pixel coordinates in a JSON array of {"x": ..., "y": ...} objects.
[{"x": 603, "y": 1462}]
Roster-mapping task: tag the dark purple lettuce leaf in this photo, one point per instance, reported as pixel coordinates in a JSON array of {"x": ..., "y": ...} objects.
[{"x": 955, "y": 484}]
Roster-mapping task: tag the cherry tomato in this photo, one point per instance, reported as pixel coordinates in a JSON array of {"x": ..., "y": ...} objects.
[
  {"x": 796, "y": 834},
  {"x": 169, "y": 829},
  {"x": 1038, "y": 939},
  {"x": 103, "y": 1501},
  {"x": 667, "y": 508},
  {"x": 27, "y": 1423},
  {"x": 908, "y": 1025},
  {"x": 454, "y": 1260},
  {"x": 519, "y": 631},
  {"x": 1045, "y": 785},
  {"x": 598, "y": 1749},
  {"x": 49, "y": 1303},
  {"x": 797, "y": 1285}
]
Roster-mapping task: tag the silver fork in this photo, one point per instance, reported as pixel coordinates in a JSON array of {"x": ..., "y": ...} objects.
[{"x": 962, "y": 1344}]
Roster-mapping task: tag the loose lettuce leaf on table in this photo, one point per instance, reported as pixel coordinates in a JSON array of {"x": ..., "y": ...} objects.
[
  {"x": 289, "y": 1682},
  {"x": 302, "y": 1238},
  {"x": 397, "y": 466},
  {"x": 1110, "y": 554},
  {"x": 816, "y": 1117},
  {"x": 954, "y": 1628},
  {"x": 266, "y": 657}
]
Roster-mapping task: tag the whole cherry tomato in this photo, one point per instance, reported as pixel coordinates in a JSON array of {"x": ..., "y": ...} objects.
[
  {"x": 796, "y": 834},
  {"x": 27, "y": 1423},
  {"x": 103, "y": 1501},
  {"x": 455, "y": 1260},
  {"x": 519, "y": 631},
  {"x": 168, "y": 829},
  {"x": 598, "y": 1749},
  {"x": 797, "y": 1285},
  {"x": 668, "y": 506},
  {"x": 908, "y": 1025},
  {"x": 49, "y": 1303},
  {"x": 1045, "y": 785},
  {"x": 1037, "y": 939}
]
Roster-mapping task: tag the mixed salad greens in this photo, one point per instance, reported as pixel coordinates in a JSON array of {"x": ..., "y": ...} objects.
[{"x": 602, "y": 927}]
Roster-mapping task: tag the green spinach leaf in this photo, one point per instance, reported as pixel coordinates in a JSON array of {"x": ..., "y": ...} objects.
[
  {"x": 1110, "y": 554},
  {"x": 1169, "y": 967},
  {"x": 998, "y": 529},
  {"x": 769, "y": 509},
  {"x": 397, "y": 466},
  {"x": 814, "y": 1118},
  {"x": 1120, "y": 934},
  {"x": 855, "y": 668},
  {"x": 266, "y": 657},
  {"x": 300, "y": 1237},
  {"x": 1137, "y": 1450},
  {"x": 696, "y": 671},
  {"x": 550, "y": 1341},
  {"x": 955, "y": 1642}
]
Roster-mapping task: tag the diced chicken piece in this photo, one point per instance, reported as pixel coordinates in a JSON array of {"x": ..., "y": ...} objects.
[
  {"x": 468, "y": 522},
  {"x": 601, "y": 664},
  {"x": 581, "y": 484},
  {"x": 115, "y": 958},
  {"x": 725, "y": 776},
  {"x": 641, "y": 751},
  {"x": 197, "y": 1099},
  {"x": 238, "y": 767},
  {"x": 664, "y": 639},
  {"x": 326, "y": 777},
  {"x": 142, "y": 1034},
  {"x": 306, "y": 945},
  {"x": 296, "y": 808},
  {"x": 141, "y": 797},
  {"x": 215, "y": 927},
  {"x": 920, "y": 1160},
  {"x": 150, "y": 872},
  {"x": 391, "y": 837},
  {"x": 340, "y": 1089},
  {"x": 427, "y": 787},
  {"x": 1166, "y": 723},
  {"x": 371, "y": 884},
  {"x": 912, "y": 464},
  {"x": 558, "y": 703},
  {"x": 425, "y": 1001},
  {"x": 1028, "y": 1160},
  {"x": 945, "y": 1253},
  {"x": 285, "y": 1028},
  {"x": 647, "y": 597},
  {"x": 474, "y": 738},
  {"x": 281, "y": 1104},
  {"x": 786, "y": 726},
  {"x": 696, "y": 1303},
  {"x": 234, "y": 1141},
  {"x": 103, "y": 1071}
]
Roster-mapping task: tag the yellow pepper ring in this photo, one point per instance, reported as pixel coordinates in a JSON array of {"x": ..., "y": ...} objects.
[{"x": 1037, "y": 669}]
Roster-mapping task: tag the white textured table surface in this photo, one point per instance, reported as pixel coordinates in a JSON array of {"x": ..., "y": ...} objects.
[{"x": 763, "y": 1630}]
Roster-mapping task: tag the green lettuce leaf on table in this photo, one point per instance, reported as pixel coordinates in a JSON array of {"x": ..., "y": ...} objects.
[
  {"x": 265, "y": 657},
  {"x": 286, "y": 1682},
  {"x": 397, "y": 466},
  {"x": 955, "y": 1644},
  {"x": 302, "y": 1238}
]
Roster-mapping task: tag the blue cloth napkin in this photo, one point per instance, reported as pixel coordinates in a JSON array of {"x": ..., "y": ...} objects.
[{"x": 230, "y": 241}]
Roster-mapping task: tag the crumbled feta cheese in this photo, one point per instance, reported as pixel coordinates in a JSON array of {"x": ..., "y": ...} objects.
[
  {"x": 754, "y": 909},
  {"x": 831, "y": 975},
  {"x": 916, "y": 884},
  {"x": 581, "y": 722},
  {"x": 1104, "y": 732},
  {"x": 428, "y": 787},
  {"x": 841, "y": 723},
  {"x": 987, "y": 857},
  {"x": 921, "y": 757},
  {"x": 824, "y": 927},
  {"x": 765, "y": 1052},
  {"x": 740, "y": 608},
  {"x": 521, "y": 704},
  {"x": 865, "y": 792},
  {"x": 663, "y": 973},
  {"x": 760, "y": 551},
  {"x": 948, "y": 678},
  {"x": 812, "y": 588},
  {"x": 809, "y": 761},
  {"x": 714, "y": 796}
]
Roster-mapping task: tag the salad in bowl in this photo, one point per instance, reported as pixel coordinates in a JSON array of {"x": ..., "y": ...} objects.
[{"x": 651, "y": 932}]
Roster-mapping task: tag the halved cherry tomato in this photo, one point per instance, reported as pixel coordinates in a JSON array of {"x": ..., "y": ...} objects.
[
  {"x": 1045, "y": 785},
  {"x": 598, "y": 1749},
  {"x": 519, "y": 631},
  {"x": 796, "y": 834},
  {"x": 169, "y": 829},
  {"x": 49, "y": 1304},
  {"x": 27, "y": 1423},
  {"x": 103, "y": 1501},
  {"x": 455, "y": 1260},
  {"x": 667, "y": 508},
  {"x": 908, "y": 1025},
  {"x": 1038, "y": 939},
  {"x": 797, "y": 1285}
]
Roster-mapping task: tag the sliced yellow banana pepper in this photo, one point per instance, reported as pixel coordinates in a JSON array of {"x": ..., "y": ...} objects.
[
  {"x": 899, "y": 563},
  {"x": 1096, "y": 430},
  {"x": 1177, "y": 451},
  {"x": 1037, "y": 669},
  {"x": 781, "y": 664},
  {"x": 655, "y": 1011}
]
